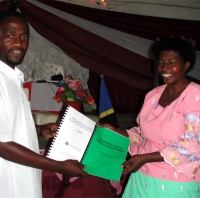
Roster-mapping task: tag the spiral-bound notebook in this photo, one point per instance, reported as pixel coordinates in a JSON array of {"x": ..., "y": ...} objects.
[{"x": 100, "y": 149}]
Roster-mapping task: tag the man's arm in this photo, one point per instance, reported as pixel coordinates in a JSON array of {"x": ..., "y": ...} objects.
[{"x": 19, "y": 154}]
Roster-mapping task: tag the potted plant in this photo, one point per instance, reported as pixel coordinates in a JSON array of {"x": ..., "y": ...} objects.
[{"x": 72, "y": 93}]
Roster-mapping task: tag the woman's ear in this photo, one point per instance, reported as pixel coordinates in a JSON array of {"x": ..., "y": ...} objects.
[{"x": 187, "y": 66}]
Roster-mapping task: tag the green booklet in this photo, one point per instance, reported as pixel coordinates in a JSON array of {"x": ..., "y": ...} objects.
[{"x": 100, "y": 149}]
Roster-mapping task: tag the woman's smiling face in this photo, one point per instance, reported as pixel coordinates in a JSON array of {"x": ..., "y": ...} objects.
[{"x": 171, "y": 67}]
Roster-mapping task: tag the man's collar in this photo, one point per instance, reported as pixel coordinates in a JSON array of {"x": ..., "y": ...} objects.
[{"x": 10, "y": 72}]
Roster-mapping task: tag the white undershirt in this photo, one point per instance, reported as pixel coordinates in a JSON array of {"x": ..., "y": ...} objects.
[{"x": 16, "y": 124}]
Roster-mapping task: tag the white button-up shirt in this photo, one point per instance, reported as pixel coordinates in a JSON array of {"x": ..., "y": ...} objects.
[{"x": 17, "y": 125}]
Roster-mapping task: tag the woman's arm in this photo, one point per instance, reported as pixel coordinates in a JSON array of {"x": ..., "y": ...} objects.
[
  {"x": 137, "y": 161},
  {"x": 47, "y": 130}
]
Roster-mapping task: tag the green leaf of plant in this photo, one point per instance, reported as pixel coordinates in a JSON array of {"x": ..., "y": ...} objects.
[{"x": 68, "y": 93}]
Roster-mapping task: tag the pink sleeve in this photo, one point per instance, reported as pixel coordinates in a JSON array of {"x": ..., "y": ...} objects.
[
  {"x": 135, "y": 138},
  {"x": 184, "y": 154}
]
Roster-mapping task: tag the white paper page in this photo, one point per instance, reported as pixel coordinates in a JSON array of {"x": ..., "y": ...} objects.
[{"x": 73, "y": 136}]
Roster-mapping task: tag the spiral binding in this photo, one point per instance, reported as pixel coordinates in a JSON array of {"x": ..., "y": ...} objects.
[
  {"x": 57, "y": 131},
  {"x": 89, "y": 143}
]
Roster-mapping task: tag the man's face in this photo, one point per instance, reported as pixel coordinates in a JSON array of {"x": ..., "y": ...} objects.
[{"x": 14, "y": 40}]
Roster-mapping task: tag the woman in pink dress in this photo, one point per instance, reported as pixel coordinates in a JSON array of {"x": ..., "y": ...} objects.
[{"x": 165, "y": 147}]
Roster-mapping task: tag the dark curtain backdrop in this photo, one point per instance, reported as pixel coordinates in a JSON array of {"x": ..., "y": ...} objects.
[
  {"x": 128, "y": 76},
  {"x": 142, "y": 26},
  {"x": 4, "y": 5}
]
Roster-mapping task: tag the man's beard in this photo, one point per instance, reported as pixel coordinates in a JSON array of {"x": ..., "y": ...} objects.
[{"x": 14, "y": 62}]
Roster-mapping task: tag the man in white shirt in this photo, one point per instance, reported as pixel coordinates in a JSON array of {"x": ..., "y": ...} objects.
[{"x": 20, "y": 161}]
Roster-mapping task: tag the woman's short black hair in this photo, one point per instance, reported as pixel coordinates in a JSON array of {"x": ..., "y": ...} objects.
[{"x": 179, "y": 45}]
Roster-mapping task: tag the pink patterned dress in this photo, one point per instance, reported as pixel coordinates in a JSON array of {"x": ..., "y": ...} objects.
[{"x": 174, "y": 131}]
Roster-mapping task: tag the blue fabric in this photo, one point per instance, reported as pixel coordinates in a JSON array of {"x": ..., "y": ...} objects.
[
  {"x": 106, "y": 111},
  {"x": 104, "y": 103}
]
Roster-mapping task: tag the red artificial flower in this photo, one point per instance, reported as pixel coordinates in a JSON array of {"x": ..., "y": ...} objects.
[
  {"x": 57, "y": 98},
  {"x": 81, "y": 93},
  {"x": 60, "y": 91},
  {"x": 89, "y": 99},
  {"x": 73, "y": 84}
]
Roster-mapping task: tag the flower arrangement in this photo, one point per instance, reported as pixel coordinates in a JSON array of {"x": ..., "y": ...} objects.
[{"x": 71, "y": 90}]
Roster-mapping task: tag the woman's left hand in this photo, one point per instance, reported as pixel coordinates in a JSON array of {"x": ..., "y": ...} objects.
[
  {"x": 47, "y": 131},
  {"x": 137, "y": 161},
  {"x": 133, "y": 164}
]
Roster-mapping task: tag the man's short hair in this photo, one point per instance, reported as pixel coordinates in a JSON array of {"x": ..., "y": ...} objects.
[{"x": 11, "y": 13}]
